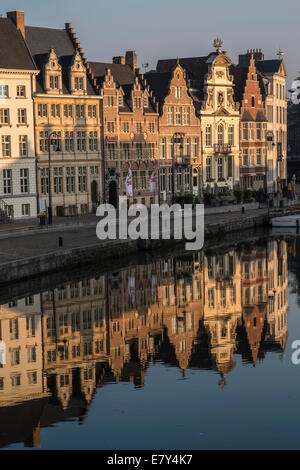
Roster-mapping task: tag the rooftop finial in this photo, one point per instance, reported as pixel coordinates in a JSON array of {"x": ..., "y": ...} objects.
[{"x": 218, "y": 43}]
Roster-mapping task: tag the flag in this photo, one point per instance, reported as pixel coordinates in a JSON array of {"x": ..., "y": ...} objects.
[
  {"x": 128, "y": 183},
  {"x": 131, "y": 289},
  {"x": 153, "y": 181}
]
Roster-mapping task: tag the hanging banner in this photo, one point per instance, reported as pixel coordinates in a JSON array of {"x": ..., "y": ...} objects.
[
  {"x": 153, "y": 181},
  {"x": 128, "y": 183}
]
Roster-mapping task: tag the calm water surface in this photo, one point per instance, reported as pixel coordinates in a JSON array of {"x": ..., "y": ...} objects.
[{"x": 181, "y": 353}]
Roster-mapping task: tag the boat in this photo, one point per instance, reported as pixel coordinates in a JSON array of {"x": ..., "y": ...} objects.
[
  {"x": 285, "y": 231},
  {"x": 288, "y": 221}
]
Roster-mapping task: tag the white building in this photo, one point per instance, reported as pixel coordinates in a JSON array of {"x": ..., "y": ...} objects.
[{"x": 18, "y": 193}]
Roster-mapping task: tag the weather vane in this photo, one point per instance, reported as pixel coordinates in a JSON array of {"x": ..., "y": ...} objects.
[{"x": 280, "y": 53}]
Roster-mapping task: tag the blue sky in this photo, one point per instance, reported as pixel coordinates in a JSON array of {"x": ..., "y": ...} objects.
[{"x": 171, "y": 28}]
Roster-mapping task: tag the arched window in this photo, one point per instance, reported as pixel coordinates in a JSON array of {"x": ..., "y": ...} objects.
[{"x": 220, "y": 134}]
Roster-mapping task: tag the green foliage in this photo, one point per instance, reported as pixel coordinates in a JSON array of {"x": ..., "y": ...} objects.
[
  {"x": 185, "y": 199},
  {"x": 247, "y": 195},
  {"x": 260, "y": 195},
  {"x": 208, "y": 198},
  {"x": 238, "y": 195}
]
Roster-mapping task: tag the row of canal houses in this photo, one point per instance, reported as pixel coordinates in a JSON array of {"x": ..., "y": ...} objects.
[{"x": 75, "y": 127}]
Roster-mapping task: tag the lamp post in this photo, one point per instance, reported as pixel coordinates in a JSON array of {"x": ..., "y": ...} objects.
[
  {"x": 52, "y": 134},
  {"x": 177, "y": 139}
]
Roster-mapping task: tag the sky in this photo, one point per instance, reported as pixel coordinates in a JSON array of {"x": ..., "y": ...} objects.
[{"x": 160, "y": 29}]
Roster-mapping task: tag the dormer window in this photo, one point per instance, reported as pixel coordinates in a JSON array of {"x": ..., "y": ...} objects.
[
  {"x": 146, "y": 102},
  {"x": 77, "y": 76},
  {"x": 79, "y": 84},
  {"x": 54, "y": 82},
  {"x": 52, "y": 74},
  {"x": 121, "y": 100}
]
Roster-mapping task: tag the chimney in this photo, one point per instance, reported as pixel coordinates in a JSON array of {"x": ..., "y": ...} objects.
[
  {"x": 131, "y": 60},
  {"x": 17, "y": 17},
  {"x": 119, "y": 60},
  {"x": 244, "y": 59}
]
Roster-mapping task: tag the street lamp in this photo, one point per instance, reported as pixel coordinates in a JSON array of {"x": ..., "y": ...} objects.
[
  {"x": 52, "y": 134},
  {"x": 177, "y": 139}
]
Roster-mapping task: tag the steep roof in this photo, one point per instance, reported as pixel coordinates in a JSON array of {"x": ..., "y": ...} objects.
[
  {"x": 40, "y": 41},
  {"x": 14, "y": 53},
  {"x": 240, "y": 77},
  {"x": 247, "y": 116},
  {"x": 159, "y": 84},
  {"x": 260, "y": 117},
  {"x": 122, "y": 73},
  {"x": 195, "y": 67},
  {"x": 269, "y": 66},
  {"x": 124, "y": 76}
]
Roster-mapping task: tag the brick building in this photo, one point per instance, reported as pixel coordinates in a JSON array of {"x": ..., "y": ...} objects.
[
  {"x": 272, "y": 75},
  {"x": 179, "y": 134},
  {"x": 130, "y": 129},
  {"x": 253, "y": 127}
]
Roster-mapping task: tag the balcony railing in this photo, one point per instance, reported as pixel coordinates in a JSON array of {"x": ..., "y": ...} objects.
[
  {"x": 182, "y": 159},
  {"x": 117, "y": 154},
  {"x": 222, "y": 148}
]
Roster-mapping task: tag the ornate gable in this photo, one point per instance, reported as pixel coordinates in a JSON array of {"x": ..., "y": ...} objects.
[
  {"x": 77, "y": 76},
  {"x": 53, "y": 74}
]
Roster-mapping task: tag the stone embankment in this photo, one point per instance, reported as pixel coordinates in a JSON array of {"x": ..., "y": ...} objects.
[{"x": 37, "y": 252}]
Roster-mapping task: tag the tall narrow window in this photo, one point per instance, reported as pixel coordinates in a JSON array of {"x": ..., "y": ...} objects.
[
  {"x": 23, "y": 145},
  {"x": 170, "y": 115},
  {"x": 231, "y": 135},
  {"x": 196, "y": 147},
  {"x": 4, "y": 116},
  {"x": 208, "y": 168},
  {"x": 178, "y": 115},
  {"x": 208, "y": 136},
  {"x": 220, "y": 168},
  {"x": 7, "y": 181},
  {"x": 24, "y": 180},
  {"x": 6, "y": 146},
  {"x": 220, "y": 134},
  {"x": 187, "y": 116}
]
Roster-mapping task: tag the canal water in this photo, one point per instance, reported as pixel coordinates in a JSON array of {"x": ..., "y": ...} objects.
[{"x": 183, "y": 352}]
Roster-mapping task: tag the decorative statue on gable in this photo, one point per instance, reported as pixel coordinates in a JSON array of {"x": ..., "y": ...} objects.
[
  {"x": 230, "y": 98},
  {"x": 210, "y": 97},
  {"x": 220, "y": 98}
]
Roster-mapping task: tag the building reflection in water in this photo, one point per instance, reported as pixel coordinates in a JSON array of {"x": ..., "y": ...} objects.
[{"x": 195, "y": 311}]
